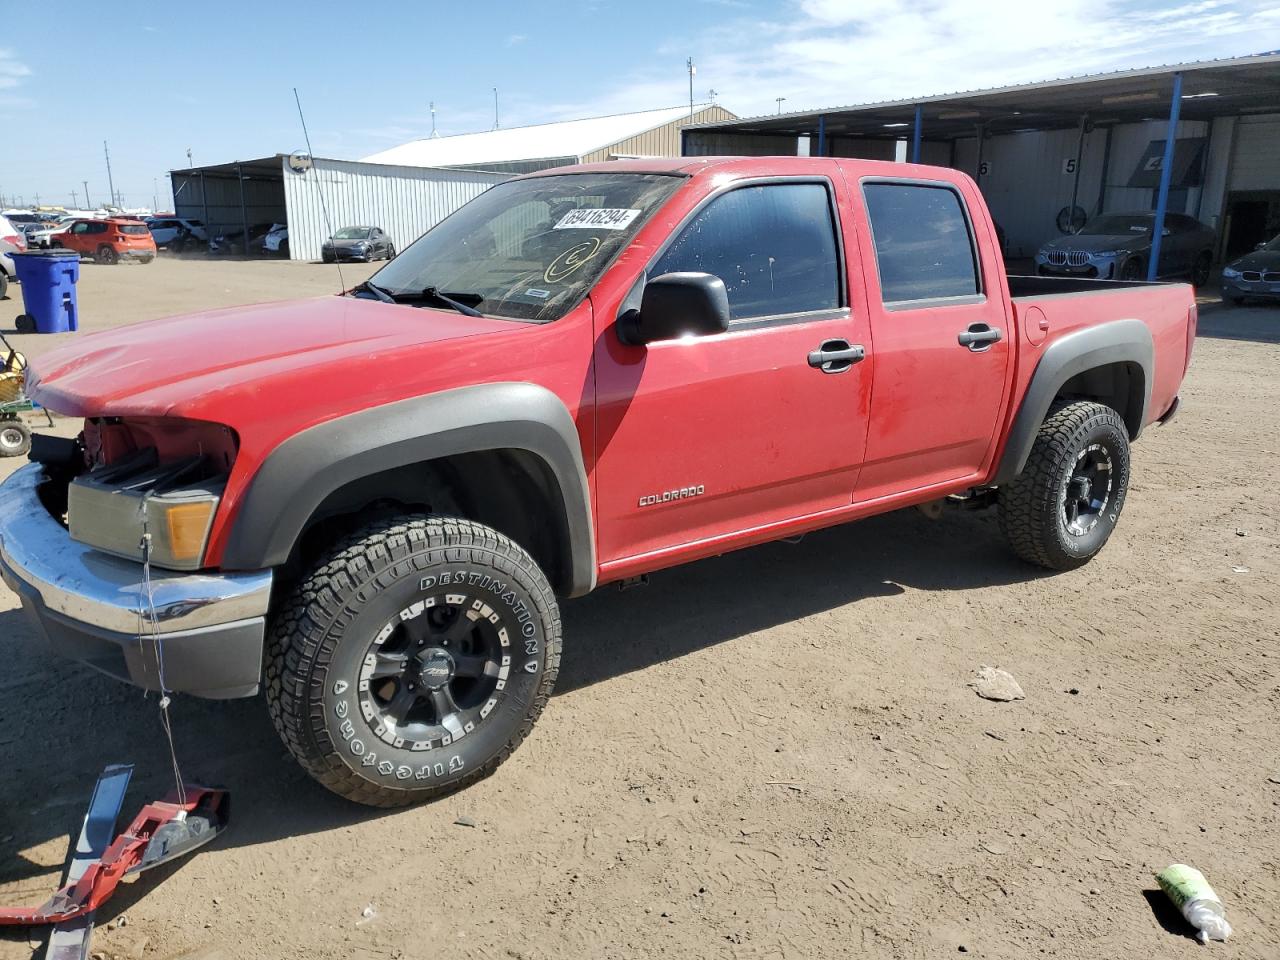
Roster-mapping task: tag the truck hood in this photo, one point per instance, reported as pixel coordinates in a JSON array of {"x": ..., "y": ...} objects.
[
  {"x": 157, "y": 366},
  {"x": 1100, "y": 243}
]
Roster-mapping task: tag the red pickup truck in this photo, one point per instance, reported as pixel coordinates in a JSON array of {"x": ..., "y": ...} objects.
[{"x": 369, "y": 503}]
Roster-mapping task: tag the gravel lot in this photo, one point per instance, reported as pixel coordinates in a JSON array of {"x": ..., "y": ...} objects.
[{"x": 769, "y": 754}]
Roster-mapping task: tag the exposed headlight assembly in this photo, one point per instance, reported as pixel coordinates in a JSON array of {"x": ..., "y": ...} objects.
[
  {"x": 1231, "y": 273},
  {"x": 114, "y": 515}
]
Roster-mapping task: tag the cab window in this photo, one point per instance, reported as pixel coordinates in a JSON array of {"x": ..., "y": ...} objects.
[
  {"x": 924, "y": 248},
  {"x": 773, "y": 245}
]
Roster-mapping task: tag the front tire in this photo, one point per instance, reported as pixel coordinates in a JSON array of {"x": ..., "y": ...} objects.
[
  {"x": 1061, "y": 509},
  {"x": 412, "y": 659},
  {"x": 1132, "y": 269}
]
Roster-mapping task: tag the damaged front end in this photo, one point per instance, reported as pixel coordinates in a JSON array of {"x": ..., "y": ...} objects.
[{"x": 76, "y": 527}]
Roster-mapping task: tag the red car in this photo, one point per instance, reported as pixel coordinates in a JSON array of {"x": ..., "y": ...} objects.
[
  {"x": 108, "y": 241},
  {"x": 368, "y": 504}
]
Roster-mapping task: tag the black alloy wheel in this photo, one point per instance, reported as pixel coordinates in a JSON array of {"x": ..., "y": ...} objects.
[{"x": 431, "y": 672}]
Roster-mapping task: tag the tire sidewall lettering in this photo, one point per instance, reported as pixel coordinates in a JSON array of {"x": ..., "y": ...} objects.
[{"x": 359, "y": 742}]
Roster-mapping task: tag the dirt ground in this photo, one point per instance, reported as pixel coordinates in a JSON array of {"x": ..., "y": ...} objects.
[{"x": 769, "y": 754}]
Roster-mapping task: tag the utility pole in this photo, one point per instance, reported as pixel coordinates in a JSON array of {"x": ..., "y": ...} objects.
[
  {"x": 190, "y": 162},
  {"x": 87, "y": 204},
  {"x": 75, "y": 204},
  {"x": 495, "y": 108},
  {"x": 692, "y": 73},
  {"x": 37, "y": 199},
  {"x": 111, "y": 187},
  {"x": 711, "y": 94},
  {"x": 433, "y": 119},
  {"x": 155, "y": 195},
  {"x": 779, "y": 100}
]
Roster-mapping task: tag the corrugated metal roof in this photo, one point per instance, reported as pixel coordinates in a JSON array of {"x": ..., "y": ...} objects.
[
  {"x": 569, "y": 138},
  {"x": 1126, "y": 94}
]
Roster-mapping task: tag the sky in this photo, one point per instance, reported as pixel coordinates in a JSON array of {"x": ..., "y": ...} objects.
[{"x": 157, "y": 79}]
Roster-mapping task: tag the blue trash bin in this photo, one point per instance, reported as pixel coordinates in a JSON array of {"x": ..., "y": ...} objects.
[{"x": 48, "y": 279}]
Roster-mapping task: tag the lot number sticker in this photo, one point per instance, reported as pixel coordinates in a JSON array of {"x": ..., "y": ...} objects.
[{"x": 597, "y": 218}]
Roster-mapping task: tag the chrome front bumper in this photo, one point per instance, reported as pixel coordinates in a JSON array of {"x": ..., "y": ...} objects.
[{"x": 94, "y": 607}]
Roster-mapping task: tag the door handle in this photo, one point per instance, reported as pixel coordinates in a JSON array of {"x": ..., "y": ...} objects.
[
  {"x": 836, "y": 356},
  {"x": 979, "y": 337}
]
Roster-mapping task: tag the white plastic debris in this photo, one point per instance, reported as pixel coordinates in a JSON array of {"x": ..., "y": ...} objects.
[
  {"x": 993, "y": 683},
  {"x": 1191, "y": 893}
]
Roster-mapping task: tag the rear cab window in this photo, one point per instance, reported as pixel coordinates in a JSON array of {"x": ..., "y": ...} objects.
[
  {"x": 924, "y": 244},
  {"x": 773, "y": 244},
  {"x": 133, "y": 228}
]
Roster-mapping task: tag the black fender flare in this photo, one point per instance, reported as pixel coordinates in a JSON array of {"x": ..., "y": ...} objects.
[
  {"x": 305, "y": 469},
  {"x": 1116, "y": 341}
]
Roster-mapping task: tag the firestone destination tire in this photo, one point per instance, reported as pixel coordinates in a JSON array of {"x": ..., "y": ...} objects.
[
  {"x": 1061, "y": 509},
  {"x": 412, "y": 659}
]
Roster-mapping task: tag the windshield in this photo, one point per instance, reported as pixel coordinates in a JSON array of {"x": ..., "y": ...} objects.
[
  {"x": 352, "y": 233},
  {"x": 1118, "y": 224},
  {"x": 529, "y": 249}
]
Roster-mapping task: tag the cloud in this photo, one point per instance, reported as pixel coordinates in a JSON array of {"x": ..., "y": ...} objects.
[
  {"x": 12, "y": 71},
  {"x": 151, "y": 29},
  {"x": 515, "y": 39},
  {"x": 824, "y": 53}
]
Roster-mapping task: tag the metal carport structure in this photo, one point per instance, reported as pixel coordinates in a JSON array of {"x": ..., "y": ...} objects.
[{"x": 935, "y": 126}]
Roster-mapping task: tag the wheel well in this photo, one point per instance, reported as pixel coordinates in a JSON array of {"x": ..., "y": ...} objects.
[
  {"x": 513, "y": 491},
  {"x": 1120, "y": 386}
]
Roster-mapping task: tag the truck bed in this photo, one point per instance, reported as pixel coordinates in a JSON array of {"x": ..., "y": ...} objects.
[
  {"x": 1050, "y": 308},
  {"x": 1021, "y": 287}
]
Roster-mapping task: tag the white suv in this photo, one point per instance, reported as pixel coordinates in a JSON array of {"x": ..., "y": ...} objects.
[
  {"x": 11, "y": 241},
  {"x": 165, "y": 229}
]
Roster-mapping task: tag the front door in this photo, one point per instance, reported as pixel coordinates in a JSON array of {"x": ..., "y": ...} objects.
[
  {"x": 942, "y": 339},
  {"x": 708, "y": 436}
]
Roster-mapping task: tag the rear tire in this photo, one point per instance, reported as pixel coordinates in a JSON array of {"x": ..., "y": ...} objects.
[
  {"x": 15, "y": 438},
  {"x": 107, "y": 254},
  {"x": 1201, "y": 270},
  {"x": 1061, "y": 509},
  {"x": 412, "y": 659}
]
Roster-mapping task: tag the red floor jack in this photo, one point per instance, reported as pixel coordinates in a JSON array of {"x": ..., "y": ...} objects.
[{"x": 162, "y": 831}]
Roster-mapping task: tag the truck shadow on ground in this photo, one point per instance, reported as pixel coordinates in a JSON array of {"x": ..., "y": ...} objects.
[{"x": 61, "y": 723}]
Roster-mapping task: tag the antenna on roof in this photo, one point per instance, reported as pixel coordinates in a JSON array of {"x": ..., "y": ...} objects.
[
  {"x": 495, "y": 109},
  {"x": 692, "y": 73},
  {"x": 324, "y": 207},
  {"x": 433, "y": 119}
]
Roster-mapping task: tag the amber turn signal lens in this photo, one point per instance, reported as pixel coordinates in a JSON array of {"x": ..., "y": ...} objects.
[{"x": 188, "y": 524}]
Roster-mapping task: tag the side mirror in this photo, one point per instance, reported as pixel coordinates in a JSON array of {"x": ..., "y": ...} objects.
[{"x": 675, "y": 305}]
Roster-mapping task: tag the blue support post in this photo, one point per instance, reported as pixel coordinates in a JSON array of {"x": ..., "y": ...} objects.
[
  {"x": 822, "y": 136},
  {"x": 1166, "y": 176},
  {"x": 915, "y": 135}
]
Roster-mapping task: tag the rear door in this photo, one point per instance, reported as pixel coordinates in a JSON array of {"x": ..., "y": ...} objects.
[
  {"x": 942, "y": 340},
  {"x": 709, "y": 436}
]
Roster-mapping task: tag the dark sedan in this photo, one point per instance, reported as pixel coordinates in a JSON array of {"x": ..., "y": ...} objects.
[
  {"x": 1256, "y": 274},
  {"x": 1117, "y": 246},
  {"x": 358, "y": 243}
]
